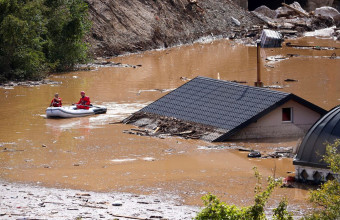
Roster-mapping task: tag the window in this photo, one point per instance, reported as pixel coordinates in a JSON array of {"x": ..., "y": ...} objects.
[{"x": 287, "y": 114}]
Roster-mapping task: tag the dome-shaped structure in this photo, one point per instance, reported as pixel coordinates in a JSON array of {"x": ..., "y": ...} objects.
[{"x": 313, "y": 146}]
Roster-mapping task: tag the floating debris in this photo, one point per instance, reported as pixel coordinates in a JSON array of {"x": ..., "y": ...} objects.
[
  {"x": 154, "y": 90},
  {"x": 254, "y": 154}
]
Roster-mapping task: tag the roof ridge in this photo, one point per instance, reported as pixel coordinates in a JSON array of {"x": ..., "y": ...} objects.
[{"x": 239, "y": 85}]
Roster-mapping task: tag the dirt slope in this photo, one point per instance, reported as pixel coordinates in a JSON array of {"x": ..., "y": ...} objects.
[{"x": 128, "y": 26}]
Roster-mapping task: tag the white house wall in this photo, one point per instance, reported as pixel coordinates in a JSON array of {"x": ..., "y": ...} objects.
[{"x": 272, "y": 126}]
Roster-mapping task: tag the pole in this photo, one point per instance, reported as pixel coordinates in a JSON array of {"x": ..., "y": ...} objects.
[{"x": 258, "y": 83}]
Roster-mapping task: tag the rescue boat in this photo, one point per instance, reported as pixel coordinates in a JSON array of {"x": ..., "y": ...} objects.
[{"x": 72, "y": 111}]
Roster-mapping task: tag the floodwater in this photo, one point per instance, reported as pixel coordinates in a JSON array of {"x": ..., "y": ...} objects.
[{"x": 91, "y": 154}]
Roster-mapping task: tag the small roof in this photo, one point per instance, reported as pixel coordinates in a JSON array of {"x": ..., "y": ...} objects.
[
  {"x": 313, "y": 147},
  {"x": 222, "y": 104}
]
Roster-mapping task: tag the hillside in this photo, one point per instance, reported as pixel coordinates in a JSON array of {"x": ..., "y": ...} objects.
[{"x": 128, "y": 26}]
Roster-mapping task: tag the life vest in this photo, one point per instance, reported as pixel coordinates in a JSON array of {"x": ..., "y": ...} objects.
[
  {"x": 56, "y": 102},
  {"x": 84, "y": 102}
]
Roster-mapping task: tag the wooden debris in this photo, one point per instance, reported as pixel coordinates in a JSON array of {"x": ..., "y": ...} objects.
[
  {"x": 157, "y": 129},
  {"x": 291, "y": 80},
  {"x": 167, "y": 126},
  {"x": 184, "y": 132},
  {"x": 82, "y": 194},
  {"x": 73, "y": 209},
  {"x": 92, "y": 206},
  {"x": 296, "y": 10},
  {"x": 289, "y": 44},
  {"x": 265, "y": 19},
  {"x": 115, "y": 123},
  {"x": 237, "y": 81},
  {"x": 10, "y": 150},
  {"x": 183, "y": 78},
  {"x": 129, "y": 217}
]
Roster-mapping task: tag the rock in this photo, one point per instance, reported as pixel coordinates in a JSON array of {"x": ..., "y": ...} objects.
[
  {"x": 326, "y": 12},
  {"x": 117, "y": 203},
  {"x": 326, "y": 32},
  {"x": 235, "y": 21},
  {"x": 313, "y": 4},
  {"x": 43, "y": 145},
  {"x": 266, "y": 11},
  {"x": 337, "y": 21}
]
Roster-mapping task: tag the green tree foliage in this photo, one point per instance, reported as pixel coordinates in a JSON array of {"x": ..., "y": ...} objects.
[
  {"x": 214, "y": 209},
  {"x": 41, "y": 35},
  {"x": 281, "y": 213},
  {"x": 328, "y": 196}
]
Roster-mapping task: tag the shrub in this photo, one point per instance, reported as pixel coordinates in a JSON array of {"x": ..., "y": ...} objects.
[{"x": 214, "y": 209}]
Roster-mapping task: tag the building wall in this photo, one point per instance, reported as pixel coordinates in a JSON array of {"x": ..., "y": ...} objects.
[
  {"x": 272, "y": 126},
  {"x": 310, "y": 171}
]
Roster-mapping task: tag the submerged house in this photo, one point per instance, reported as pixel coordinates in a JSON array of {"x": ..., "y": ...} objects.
[
  {"x": 308, "y": 161},
  {"x": 238, "y": 111}
]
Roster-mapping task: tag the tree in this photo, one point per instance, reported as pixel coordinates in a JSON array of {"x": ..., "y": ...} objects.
[
  {"x": 67, "y": 27},
  {"x": 21, "y": 28},
  {"x": 37, "y": 36}
]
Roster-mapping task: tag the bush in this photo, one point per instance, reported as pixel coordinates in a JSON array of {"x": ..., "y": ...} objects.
[
  {"x": 37, "y": 36},
  {"x": 214, "y": 209}
]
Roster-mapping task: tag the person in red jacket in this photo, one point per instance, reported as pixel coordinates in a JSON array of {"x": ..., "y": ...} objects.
[
  {"x": 84, "y": 101},
  {"x": 56, "y": 101}
]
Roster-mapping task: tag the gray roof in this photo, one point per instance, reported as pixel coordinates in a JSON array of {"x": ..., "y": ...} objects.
[
  {"x": 313, "y": 147},
  {"x": 222, "y": 104}
]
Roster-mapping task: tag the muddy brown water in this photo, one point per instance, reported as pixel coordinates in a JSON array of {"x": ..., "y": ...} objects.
[{"x": 91, "y": 154}]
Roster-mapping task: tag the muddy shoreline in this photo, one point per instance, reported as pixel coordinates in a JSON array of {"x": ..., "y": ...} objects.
[{"x": 23, "y": 201}]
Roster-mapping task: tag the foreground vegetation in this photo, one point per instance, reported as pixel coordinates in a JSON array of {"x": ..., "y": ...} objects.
[
  {"x": 37, "y": 36},
  {"x": 326, "y": 199}
]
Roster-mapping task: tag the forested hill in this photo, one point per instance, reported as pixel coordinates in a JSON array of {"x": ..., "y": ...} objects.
[{"x": 128, "y": 26}]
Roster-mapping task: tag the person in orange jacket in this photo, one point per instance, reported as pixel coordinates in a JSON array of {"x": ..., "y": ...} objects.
[
  {"x": 56, "y": 101},
  {"x": 84, "y": 101}
]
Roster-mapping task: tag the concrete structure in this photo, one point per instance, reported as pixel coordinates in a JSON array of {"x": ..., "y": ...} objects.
[
  {"x": 308, "y": 163},
  {"x": 238, "y": 111}
]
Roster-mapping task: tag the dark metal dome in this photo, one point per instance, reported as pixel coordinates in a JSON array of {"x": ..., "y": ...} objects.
[{"x": 313, "y": 146}]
